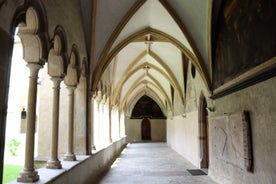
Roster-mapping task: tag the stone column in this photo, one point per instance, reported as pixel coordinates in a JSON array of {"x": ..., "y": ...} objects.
[
  {"x": 110, "y": 124},
  {"x": 119, "y": 126},
  {"x": 91, "y": 116},
  {"x": 97, "y": 137},
  {"x": 29, "y": 174},
  {"x": 102, "y": 122},
  {"x": 70, "y": 156},
  {"x": 54, "y": 163}
]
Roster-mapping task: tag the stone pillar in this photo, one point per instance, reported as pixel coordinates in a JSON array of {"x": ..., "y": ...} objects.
[
  {"x": 91, "y": 116},
  {"x": 70, "y": 156},
  {"x": 54, "y": 163},
  {"x": 29, "y": 174},
  {"x": 110, "y": 124},
  {"x": 102, "y": 122},
  {"x": 97, "y": 114},
  {"x": 119, "y": 124}
]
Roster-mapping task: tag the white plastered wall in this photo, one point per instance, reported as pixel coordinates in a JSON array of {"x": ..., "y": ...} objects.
[
  {"x": 183, "y": 137},
  {"x": 183, "y": 126}
]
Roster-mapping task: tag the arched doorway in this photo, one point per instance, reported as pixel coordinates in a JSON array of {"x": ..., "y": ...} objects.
[
  {"x": 203, "y": 133},
  {"x": 146, "y": 130}
]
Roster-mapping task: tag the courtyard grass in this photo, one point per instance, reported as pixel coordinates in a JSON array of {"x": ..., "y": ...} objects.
[{"x": 11, "y": 172}]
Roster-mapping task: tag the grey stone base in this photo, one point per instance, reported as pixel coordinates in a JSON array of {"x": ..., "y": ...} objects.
[
  {"x": 69, "y": 157},
  {"x": 28, "y": 176},
  {"x": 53, "y": 164}
]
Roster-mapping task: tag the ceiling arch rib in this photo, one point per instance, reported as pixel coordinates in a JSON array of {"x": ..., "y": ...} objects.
[
  {"x": 127, "y": 57},
  {"x": 159, "y": 89},
  {"x": 146, "y": 85},
  {"x": 102, "y": 65},
  {"x": 117, "y": 16},
  {"x": 196, "y": 26},
  {"x": 141, "y": 91},
  {"x": 163, "y": 85},
  {"x": 153, "y": 14},
  {"x": 134, "y": 99},
  {"x": 171, "y": 73},
  {"x": 138, "y": 68},
  {"x": 156, "y": 61}
]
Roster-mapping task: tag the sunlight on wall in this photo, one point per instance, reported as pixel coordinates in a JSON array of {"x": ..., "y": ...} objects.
[{"x": 109, "y": 123}]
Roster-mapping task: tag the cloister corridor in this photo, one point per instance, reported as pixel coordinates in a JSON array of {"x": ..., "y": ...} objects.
[
  {"x": 151, "y": 163},
  {"x": 158, "y": 86}
]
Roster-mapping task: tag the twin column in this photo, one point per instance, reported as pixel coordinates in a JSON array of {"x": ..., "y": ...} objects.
[{"x": 29, "y": 174}]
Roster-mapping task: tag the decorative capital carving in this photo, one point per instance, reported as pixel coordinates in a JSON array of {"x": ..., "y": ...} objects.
[
  {"x": 32, "y": 46},
  {"x": 55, "y": 64},
  {"x": 71, "y": 78}
]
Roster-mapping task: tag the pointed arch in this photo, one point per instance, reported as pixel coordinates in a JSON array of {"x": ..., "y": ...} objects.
[
  {"x": 156, "y": 85},
  {"x": 57, "y": 57},
  {"x": 119, "y": 27},
  {"x": 59, "y": 31},
  {"x": 125, "y": 105},
  {"x": 162, "y": 63},
  {"x": 34, "y": 40},
  {"x": 134, "y": 99},
  {"x": 31, "y": 21},
  {"x": 191, "y": 41},
  {"x": 203, "y": 132},
  {"x": 100, "y": 68},
  {"x": 139, "y": 67}
]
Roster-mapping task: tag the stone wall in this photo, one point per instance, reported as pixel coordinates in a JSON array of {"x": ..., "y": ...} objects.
[
  {"x": 259, "y": 100},
  {"x": 89, "y": 170},
  {"x": 229, "y": 166},
  {"x": 86, "y": 169},
  {"x": 133, "y": 129},
  {"x": 45, "y": 120}
]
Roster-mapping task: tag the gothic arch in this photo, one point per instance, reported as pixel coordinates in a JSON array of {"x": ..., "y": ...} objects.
[
  {"x": 57, "y": 58},
  {"x": 31, "y": 21},
  {"x": 33, "y": 37},
  {"x": 73, "y": 70},
  {"x": 108, "y": 58},
  {"x": 159, "y": 70},
  {"x": 31, "y": 15},
  {"x": 203, "y": 132}
]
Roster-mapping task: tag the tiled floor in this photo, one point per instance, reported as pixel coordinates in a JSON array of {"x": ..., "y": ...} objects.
[{"x": 151, "y": 163}]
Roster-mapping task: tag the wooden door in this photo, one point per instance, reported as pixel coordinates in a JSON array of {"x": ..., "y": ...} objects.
[
  {"x": 206, "y": 142},
  {"x": 146, "y": 130},
  {"x": 205, "y": 127}
]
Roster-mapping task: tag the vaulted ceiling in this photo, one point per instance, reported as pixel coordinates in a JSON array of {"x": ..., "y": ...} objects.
[{"x": 143, "y": 44}]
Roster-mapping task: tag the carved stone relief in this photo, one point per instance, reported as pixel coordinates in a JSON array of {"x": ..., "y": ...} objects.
[{"x": 231, "y": 140}]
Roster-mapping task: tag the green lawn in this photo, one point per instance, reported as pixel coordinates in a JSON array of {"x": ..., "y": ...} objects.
[{"x": 11, "y": 172}]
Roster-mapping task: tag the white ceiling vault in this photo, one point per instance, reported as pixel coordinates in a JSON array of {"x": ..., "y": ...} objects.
[{"x": 143, "y": 43}]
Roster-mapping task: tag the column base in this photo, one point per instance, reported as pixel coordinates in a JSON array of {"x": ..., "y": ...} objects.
[
  {"x": 28, "y": 176},
  {"x": 69, "y": 157},
  {"x": 53, "y": 164}
]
